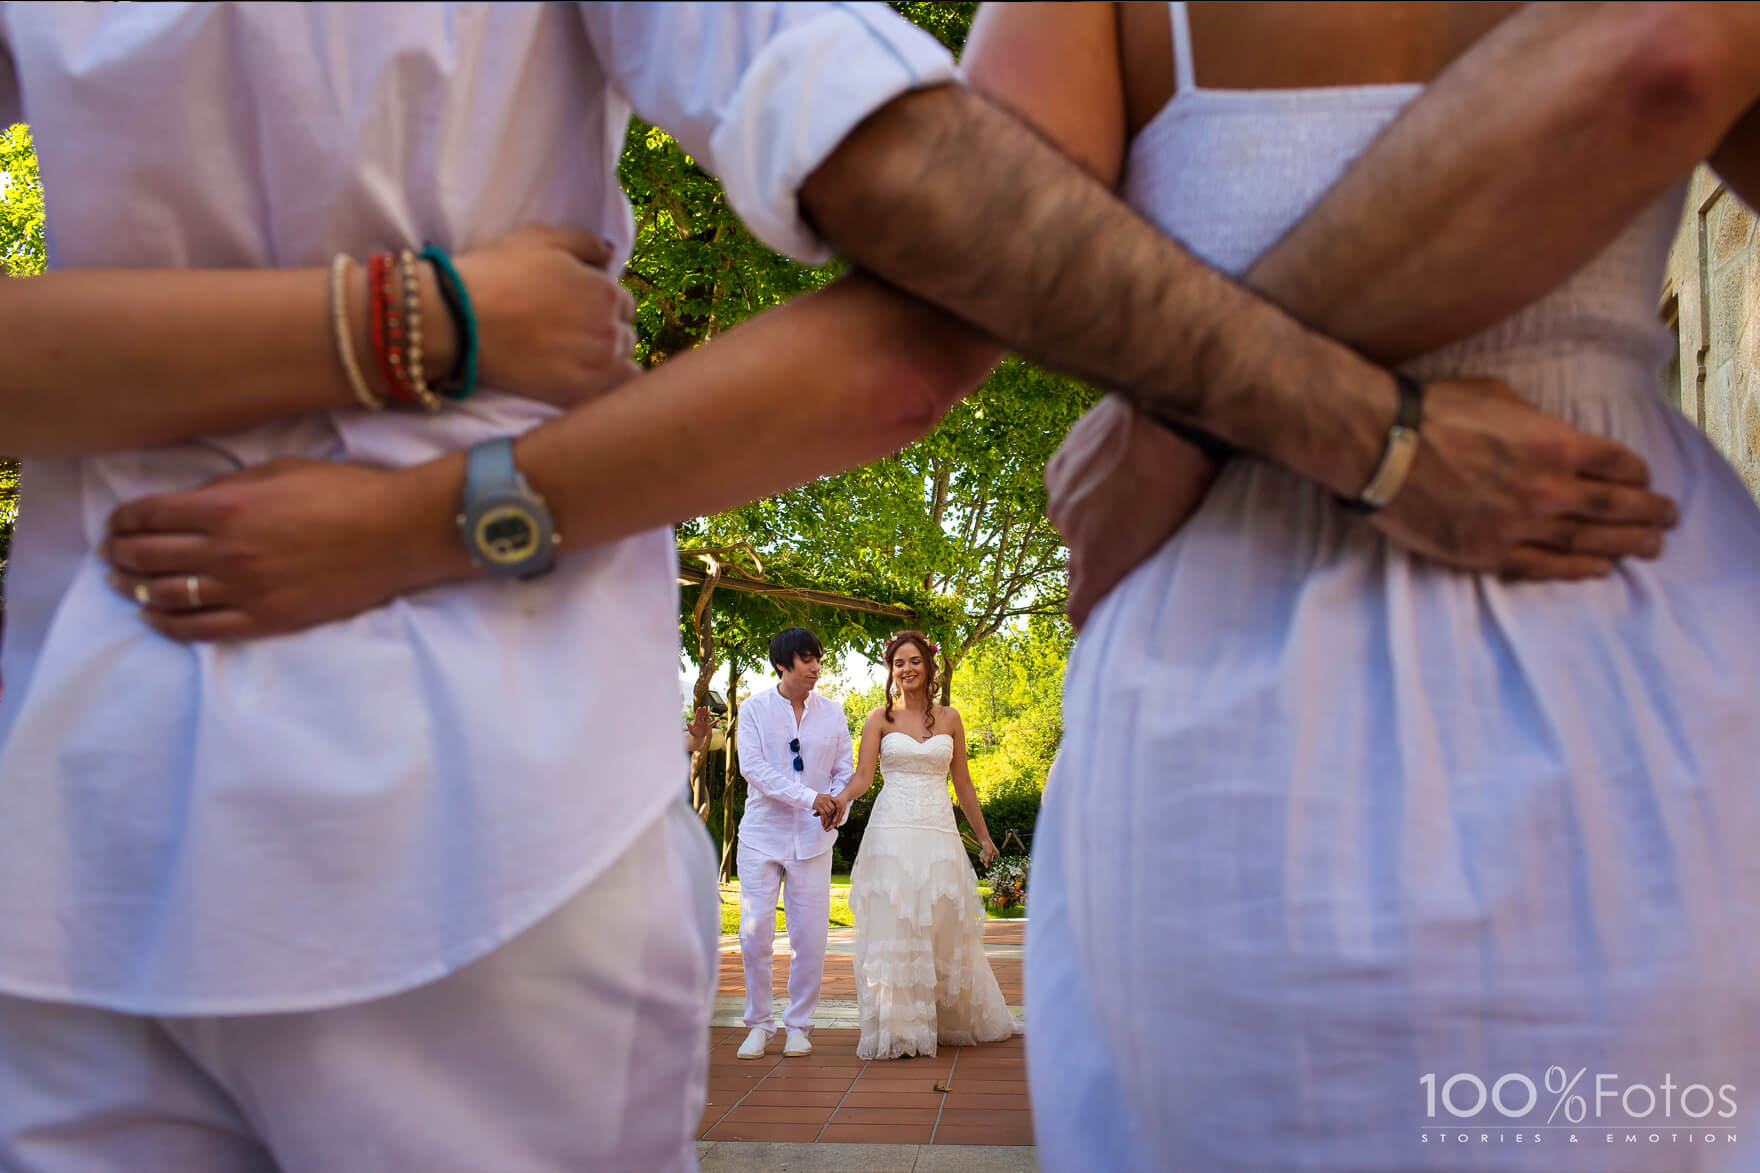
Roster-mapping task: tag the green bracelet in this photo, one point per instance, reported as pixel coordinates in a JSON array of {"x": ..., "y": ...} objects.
[{"x": 462, "y": 379}]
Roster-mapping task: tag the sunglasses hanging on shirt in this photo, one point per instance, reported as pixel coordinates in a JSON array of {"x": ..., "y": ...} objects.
[{"x": 794, "y": 747}]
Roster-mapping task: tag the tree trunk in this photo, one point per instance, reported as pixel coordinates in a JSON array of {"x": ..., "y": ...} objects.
[
  {"x": 729, "y": 826},
  {"x": 704, "y": 620}
]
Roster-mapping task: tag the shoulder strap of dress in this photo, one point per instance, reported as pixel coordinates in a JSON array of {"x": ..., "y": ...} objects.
[{"x": 1184, "y": 76}]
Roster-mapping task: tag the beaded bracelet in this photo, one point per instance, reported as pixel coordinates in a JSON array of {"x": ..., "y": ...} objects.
[
  {"x": 462, "y": 379},
  {"x": 415, "y": 380},
  {"x": 386, "y": 333},
  {"x": 344, "y": 333}
]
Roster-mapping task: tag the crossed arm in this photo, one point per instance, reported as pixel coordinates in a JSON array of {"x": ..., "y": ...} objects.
[
  {"x": 948, "y": 196},
  {"x": 1431, "y": 235}
]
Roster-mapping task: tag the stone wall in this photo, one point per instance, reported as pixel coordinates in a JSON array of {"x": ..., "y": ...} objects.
[{"x": 1711, "y": 295}]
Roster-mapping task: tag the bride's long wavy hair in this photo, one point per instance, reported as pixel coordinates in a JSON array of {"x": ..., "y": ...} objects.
[{"x": 930, "y": 651}]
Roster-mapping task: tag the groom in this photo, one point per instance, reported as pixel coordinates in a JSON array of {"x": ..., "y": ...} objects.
[{"x": 795, "y": 753}]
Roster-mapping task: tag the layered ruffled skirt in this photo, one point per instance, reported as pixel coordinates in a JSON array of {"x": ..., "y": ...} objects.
[{"x": 921, "y": 975}]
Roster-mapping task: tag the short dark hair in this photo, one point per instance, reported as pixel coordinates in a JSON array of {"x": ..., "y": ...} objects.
[{"x": 791, "y": 642}]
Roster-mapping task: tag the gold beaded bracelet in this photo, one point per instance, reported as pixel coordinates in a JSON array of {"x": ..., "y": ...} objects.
[{"x": 412, "y": 312}]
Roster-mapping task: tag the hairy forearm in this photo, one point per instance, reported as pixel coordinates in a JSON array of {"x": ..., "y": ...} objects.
[
  {"x": 101, "y": 360},
  {"x": 950, "y": 197},
  {"x": 1512, "y": 170}
]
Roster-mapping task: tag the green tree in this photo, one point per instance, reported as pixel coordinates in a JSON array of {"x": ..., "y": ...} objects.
[
  {"x": 22, "y": 254},
  {"x": 1011, "y": 696},
  {"x": 694, "y": 268}
]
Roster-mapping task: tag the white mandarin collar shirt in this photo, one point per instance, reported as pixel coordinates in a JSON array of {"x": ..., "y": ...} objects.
[
  {"x": 340, "y": 814},
  {"x": 779, "y": 821}
]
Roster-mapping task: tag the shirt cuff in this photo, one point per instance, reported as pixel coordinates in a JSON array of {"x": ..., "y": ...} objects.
[{"x": 800, "y": 98}]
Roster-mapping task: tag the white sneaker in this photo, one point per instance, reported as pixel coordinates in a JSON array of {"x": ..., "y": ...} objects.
[
  {"x": 753, "y": 1047},
  {"x": 798, "y": 1044}
]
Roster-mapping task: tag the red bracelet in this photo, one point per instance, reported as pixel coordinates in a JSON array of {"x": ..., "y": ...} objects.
[{"x": 387, "y": 324}]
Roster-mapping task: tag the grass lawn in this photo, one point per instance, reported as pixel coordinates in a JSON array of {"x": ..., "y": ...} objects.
[{"x": 840, "y": 914}]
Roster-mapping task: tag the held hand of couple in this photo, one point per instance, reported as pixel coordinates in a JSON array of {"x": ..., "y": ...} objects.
[
  {"x": 830, "y": 810},
  {"x": 554, "y": 322}
]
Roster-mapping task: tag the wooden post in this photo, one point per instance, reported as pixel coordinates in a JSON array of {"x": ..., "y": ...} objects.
[{"x": 729, "y": 825}]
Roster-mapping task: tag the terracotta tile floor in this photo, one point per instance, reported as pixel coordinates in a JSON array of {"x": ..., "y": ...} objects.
[{"x": 832, "y": 1096}]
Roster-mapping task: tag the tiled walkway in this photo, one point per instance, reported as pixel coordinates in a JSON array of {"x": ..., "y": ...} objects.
[{"x": 831, "y": 1096}]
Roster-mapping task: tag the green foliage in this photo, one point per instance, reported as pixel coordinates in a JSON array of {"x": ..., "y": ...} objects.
[
  {"x": 946, "y": 22},
  {"x": 694, "y": 270},
  {"x": 952, "y": 528},
  {"x": 1011, "y": 696},
  {"x": 22, "y": 251}
]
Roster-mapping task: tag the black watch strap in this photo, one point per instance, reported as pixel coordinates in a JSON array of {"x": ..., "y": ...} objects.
[{"x": 1219, "y": 451}]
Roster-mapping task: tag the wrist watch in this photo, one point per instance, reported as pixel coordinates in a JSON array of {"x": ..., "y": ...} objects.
[{"x": 505, "y": 526}]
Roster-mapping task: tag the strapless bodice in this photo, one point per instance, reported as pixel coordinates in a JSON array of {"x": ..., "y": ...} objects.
[{"x": 914, "y": 793}]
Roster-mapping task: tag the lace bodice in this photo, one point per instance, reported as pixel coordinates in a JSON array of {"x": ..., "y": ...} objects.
[{"x": 915, "y": 790}]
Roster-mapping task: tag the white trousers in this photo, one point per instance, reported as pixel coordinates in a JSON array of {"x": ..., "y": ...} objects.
[
  {"x": 578, "y": 1045},
  {"x": 806, "y": 901}
]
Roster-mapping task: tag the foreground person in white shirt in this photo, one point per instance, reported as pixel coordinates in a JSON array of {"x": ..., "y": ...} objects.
[
  {"x": 415, "y": 890},
  {"x": 796, "y": 755}
]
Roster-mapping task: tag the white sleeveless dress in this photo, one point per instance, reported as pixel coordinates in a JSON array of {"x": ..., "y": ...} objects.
[
  {"x": 921, "y": 975},
  {"x": 1330, "y": 821}
]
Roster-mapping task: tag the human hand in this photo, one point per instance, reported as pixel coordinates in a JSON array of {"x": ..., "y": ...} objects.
[
  {"x": 826, "y": 808},
  {"x": 553, "y": 323},
  {"x": 987, "y": 852},
  {"x": 1118, "y": 487},
  {"x": 699, "y": 727},
  {"x": 284, "y": 546},
  {"x": 1499, "y": 485}
]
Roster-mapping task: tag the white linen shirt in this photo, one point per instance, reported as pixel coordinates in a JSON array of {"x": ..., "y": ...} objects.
[
  {"x": 779, "y": 821},
  {"x": 332, "y": 816}
]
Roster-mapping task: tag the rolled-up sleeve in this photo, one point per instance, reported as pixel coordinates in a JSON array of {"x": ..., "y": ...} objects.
[{"x": 761, "y": 94}]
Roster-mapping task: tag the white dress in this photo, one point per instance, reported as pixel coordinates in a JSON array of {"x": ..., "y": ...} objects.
[
  {"x": 921, "y": 975},
  {"x": 1329, "y": 821}
]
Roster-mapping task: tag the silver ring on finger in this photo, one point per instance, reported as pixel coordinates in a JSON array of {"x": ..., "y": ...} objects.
[
  {"x": 194, "y": 590},
  {"x": 142, "y": 596}
]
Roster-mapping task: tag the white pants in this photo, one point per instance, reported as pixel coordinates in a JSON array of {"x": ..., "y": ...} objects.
[
  {"x": 578, "y": 1045},
  {"x": 806, "y": 901}
]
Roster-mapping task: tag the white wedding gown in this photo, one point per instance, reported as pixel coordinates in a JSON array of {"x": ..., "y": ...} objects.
[{"x": 921, "y": 975}]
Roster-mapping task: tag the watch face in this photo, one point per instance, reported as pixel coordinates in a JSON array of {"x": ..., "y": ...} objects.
[{"x": 507, "y": 534}]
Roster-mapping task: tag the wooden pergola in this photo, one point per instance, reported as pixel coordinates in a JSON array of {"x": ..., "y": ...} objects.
[{"x": 699, "y": 575}]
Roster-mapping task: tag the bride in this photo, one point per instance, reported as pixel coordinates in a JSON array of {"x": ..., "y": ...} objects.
[{"x": 921, "y": 975}]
